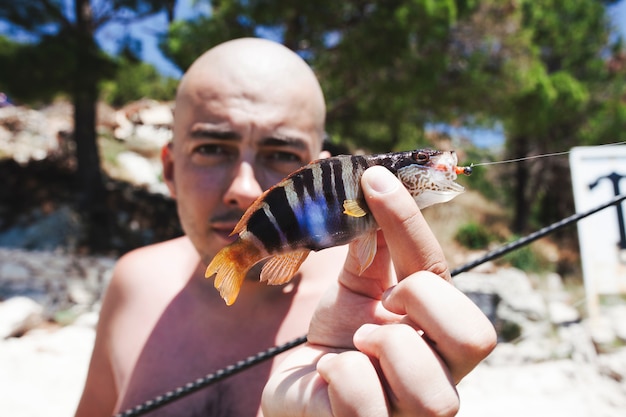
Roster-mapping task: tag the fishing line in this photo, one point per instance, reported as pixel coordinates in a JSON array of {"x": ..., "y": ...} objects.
[
  {"x": 527, "y": 158},
  {"x": 212, "y": 378},
  {"x": 242, "y": 365}
]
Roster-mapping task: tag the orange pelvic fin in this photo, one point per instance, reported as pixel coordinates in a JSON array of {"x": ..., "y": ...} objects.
[
  {"x": 366, "y": 247},
  {"x": 231, "y": 265},
  {"x": 281, "y": 268}
]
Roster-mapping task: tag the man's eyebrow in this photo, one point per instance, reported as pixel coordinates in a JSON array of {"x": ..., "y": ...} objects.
[
  {"x": 201, "y": 131},
  {"x": 280, "y": 141}
]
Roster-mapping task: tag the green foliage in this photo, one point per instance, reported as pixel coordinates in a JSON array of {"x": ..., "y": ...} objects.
[
  {"x": 136, "y": 80},
  {"x": 527, "y": 259},
  {"x": 509, "y": 331},
  {"x": 561, "y": 102},
  {"x": 64, "y": 57},
  {"x": 38, "y": 72},
  {"x": 538, "y": 67},
  {"x": 473, "y": 236},
  {"x": 483, "y": 178},
  {"x": 188, "y": 40},
  {"x": 387, "y": 68}
]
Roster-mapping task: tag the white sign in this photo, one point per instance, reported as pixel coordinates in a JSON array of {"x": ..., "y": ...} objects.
[{"x": 598, "y": 175}]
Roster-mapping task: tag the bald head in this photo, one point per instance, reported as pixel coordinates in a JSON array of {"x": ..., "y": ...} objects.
[{"x": 253, "y": 68}]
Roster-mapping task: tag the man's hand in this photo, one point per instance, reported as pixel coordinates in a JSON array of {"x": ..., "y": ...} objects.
[{"x": 390, "y": 341}]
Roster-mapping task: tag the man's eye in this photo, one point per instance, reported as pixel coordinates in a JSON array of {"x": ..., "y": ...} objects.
[
  {"x": 283, "y": 157},
  {"x": 210, "y": 149}
]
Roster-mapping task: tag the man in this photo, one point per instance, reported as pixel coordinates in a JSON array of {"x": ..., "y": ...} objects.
[{"x": 248, "y": 112}]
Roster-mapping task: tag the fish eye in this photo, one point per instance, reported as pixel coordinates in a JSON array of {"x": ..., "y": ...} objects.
[{"x": 421, "y": 157}]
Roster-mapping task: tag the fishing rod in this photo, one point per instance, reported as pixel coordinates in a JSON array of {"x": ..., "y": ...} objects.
[{"x": 270, "y": 353}]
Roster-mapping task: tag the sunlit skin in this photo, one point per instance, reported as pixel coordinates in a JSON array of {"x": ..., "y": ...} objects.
[
  {"x": 238, "y": 130},
  {"x": 247, "y": 113}
]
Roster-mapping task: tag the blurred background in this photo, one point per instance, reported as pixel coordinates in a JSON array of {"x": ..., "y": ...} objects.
[{"x": 86, "y": 101}]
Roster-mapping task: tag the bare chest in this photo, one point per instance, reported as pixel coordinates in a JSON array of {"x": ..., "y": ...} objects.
[{"x": 190, "y": 341}]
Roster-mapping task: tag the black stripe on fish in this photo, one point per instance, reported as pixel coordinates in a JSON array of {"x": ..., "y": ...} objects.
[
  {"x": 326, "y": 167},
  {"x": 298, "y": 186},
  {"x": 339, "y": 191},
  {"x": 359, "y": 164},
  {"x": 308, "y": 180},
  {"x": 261, "y": 226},
  {"x": 283, "y": 214}
]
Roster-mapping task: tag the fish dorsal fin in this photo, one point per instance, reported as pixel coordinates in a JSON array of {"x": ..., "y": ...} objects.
[
  {"x": 281, "y": 268},
  {"x": 353, "y": 208},
  {"x": 366, "y": 250}
]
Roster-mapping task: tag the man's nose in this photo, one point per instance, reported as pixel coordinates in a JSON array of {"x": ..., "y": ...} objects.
[{"x": 244, "y": 187}]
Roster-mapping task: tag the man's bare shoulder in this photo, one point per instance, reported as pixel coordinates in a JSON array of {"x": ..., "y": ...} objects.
[
  {"x": 144, "y": 283},
  {"x": 167, "y": 262},
  {"x": 154, "y": 257},
  {"x": 146, "y": 279}
]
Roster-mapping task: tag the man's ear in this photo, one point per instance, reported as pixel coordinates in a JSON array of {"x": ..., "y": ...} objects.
[{"x": 167, "y": 161}]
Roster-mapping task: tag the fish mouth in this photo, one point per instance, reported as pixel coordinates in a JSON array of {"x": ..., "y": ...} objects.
[
  {"x": 453, "y": 186},
  {"x": 447, "y": 186}
]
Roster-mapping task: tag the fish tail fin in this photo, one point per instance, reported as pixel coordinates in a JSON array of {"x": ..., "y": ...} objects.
[{"x": 231, "y": 265}]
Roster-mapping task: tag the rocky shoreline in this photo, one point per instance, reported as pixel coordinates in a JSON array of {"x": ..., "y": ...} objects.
[
  {"x": 551, "y": 359},
  {"x": 551, "y": 366}
]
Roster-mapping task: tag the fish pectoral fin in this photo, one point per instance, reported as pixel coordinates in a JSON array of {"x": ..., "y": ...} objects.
[
  {"x": 353, "y": 208},
  {"x": 281, "y": 268},
  {"x": 366, "y": 250}
]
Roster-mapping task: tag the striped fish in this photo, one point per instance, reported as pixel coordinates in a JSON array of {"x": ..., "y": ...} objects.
[{"x": 322, "y": 205}]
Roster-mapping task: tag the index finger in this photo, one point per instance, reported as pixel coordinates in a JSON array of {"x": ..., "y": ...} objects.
[{"x": 411, "y": 243}]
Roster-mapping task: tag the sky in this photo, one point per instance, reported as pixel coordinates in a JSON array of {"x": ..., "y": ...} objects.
[
  {"x": 147, "y": 32},
  {"x": 148, "y": 28}
]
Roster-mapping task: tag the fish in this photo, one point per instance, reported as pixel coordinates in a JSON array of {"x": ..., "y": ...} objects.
[{"x": 321, "y": 205}]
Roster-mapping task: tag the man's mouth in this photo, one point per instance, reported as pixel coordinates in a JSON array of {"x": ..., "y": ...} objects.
[
  {"x": 224, "y": 229},
  {"x": 223, "y": 225}
]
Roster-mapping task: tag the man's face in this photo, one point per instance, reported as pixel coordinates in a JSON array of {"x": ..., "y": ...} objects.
[{"x": 233, "y": 141}]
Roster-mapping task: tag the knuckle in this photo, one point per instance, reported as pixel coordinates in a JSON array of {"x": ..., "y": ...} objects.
[
  {"x": 445, "y": 407},
  {"x": 481, "y": 343}
]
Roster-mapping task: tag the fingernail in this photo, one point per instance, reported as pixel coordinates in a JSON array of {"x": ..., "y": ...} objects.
[
  {"x": 388, "y": 292},
  {"x": 325, "y": 359},
  {"x": 364, "y": 331},
  {"x": 381, "y": 181}
]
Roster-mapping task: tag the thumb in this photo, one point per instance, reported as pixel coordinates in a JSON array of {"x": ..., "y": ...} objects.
[{"x": 412, "y": 244}]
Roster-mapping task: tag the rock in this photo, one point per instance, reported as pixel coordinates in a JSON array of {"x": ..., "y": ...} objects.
[
  {"x": 148, "y": 139},
  {"x": 28, "y": 137},
  {"x": 64, "y": 285},
  {"x": 157, "y": 115},
  {"x": 60, "y": 228},
  {"x": 561, "y": 313},
  {"x": 13, "y": 271},
  {"x": 137, "y": 169},
  {"x": 18, "y": 315},
  {"x": 554, "y": 283},
  {"x": 601, "y": 330},
  {"x": 556, "y": 388},
  {"x": 613, "y": 365},
  {"x": 617, "y": 316},
  {"x": 43, "y": 372},
  {"x": 518, "y": 301},
  {"x": 145, "y": 126}
]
